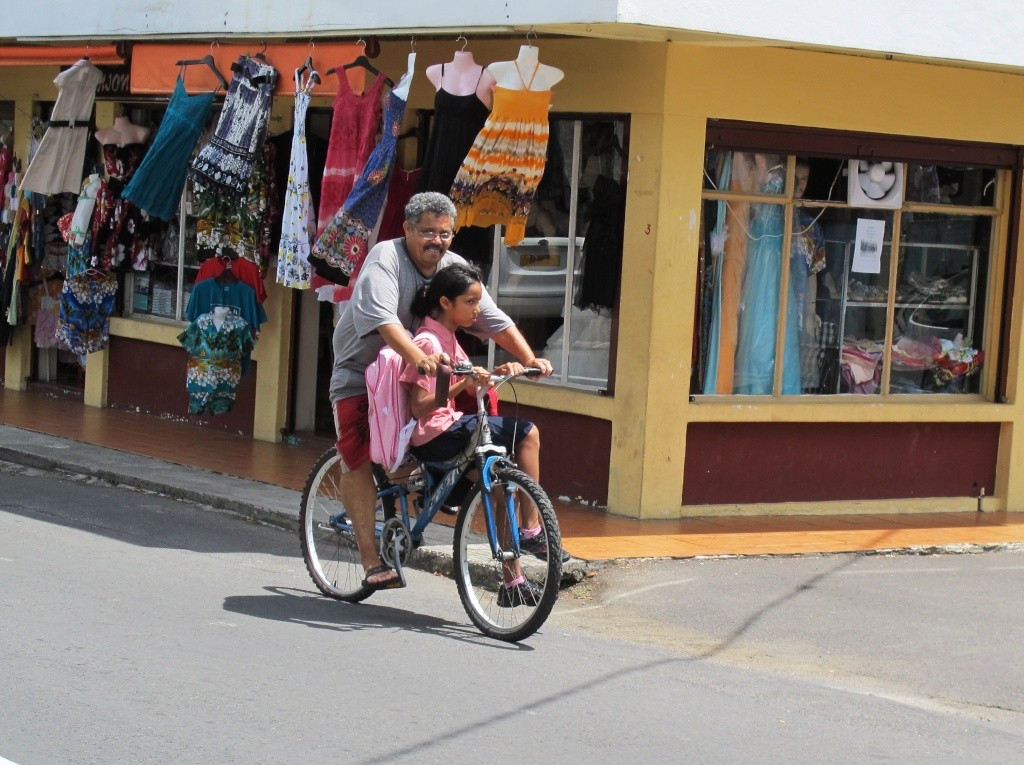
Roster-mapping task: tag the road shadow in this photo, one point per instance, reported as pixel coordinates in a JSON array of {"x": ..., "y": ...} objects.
[{"x": 311, "y": 609}]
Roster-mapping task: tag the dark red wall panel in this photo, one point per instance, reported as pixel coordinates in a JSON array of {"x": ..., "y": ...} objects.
[
  {"x": 811, "y": 462},
  {"x": 151, "y": 376},
  {"x": 575, "y": 452}
]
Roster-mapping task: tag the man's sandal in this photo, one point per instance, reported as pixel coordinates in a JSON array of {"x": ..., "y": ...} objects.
[{"x": 394, "y": 583}]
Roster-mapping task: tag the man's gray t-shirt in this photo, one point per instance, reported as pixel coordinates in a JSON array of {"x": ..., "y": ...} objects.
[{"x": 383, "y": 294}]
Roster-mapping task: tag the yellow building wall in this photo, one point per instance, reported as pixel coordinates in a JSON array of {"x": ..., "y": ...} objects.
[{"x": 812, "y": 89}]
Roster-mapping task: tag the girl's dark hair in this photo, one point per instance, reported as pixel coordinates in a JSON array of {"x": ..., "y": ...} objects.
[{"x": 450, "y": 282}]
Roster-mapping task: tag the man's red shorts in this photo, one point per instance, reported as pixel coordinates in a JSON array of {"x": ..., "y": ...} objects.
[{"x": 352, "y": 424}]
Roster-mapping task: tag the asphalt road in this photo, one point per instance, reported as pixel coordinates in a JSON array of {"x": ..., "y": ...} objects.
[{"x": 139, "y": 629}]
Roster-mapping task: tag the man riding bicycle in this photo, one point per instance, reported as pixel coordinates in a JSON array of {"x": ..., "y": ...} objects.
[{"x": 380, "y": 312}]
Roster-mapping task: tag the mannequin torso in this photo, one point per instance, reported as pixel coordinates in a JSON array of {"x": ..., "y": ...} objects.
[
  {"x": 526, "y": 72},
  {"x": 462, "y": 76},
  {"x": 122, "y": 132}
]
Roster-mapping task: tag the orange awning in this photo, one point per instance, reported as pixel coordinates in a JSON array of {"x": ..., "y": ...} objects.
[
  {"x": 43, "y": 55},
  {"x": 154, "y": 69}
]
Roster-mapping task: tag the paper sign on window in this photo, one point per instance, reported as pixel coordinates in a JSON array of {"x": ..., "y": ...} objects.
[{"x": 867, "y": 247}]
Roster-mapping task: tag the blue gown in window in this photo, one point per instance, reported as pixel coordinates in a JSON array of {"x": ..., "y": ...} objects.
[{"x": 759, "y": 315}]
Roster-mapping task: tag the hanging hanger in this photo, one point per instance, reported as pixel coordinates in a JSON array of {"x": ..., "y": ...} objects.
[
  {"x": 308, "y": 65},
  {"x": 262, "y": 54},
  {"x": 208, "y": 61},
  {"x": 227, "y": 276},
  {"x": 413, "y": 132},
  {"x": 465, "y": 42},
  {"x": 364, "y": 62}
]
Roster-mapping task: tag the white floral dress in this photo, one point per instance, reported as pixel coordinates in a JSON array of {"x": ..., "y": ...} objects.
[{"x": 298, "y": 225}]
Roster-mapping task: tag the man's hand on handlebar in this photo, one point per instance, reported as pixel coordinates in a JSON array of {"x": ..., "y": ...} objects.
[
  {"x": 429, "y": 365},
  {"x": 515, "y": 368}
]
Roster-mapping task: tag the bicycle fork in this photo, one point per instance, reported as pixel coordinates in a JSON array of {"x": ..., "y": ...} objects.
[{"x": 505, "y": 556}]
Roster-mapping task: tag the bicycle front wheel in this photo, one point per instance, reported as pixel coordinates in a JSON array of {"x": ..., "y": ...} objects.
[
  {"x": 509, "y": 614},
  {"x": 328, "y": 540}
]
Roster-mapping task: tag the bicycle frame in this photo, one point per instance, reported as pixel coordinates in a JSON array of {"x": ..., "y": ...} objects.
[{"x": 487, "y": 456}]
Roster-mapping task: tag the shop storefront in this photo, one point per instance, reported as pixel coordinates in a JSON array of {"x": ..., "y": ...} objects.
[{"x": 763, "y": 291}]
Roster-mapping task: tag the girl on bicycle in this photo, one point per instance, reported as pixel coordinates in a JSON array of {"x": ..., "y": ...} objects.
[{"x": 449, "y": 301}]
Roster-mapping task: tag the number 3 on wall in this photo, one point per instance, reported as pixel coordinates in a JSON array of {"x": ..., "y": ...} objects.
[{"x": 647, "y": 229}]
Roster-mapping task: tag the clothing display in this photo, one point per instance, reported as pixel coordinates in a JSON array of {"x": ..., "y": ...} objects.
[
  {"x": 400, "y": 190},
  {"x": 81, "y": 218},
  {"x": 354, "y": 125},
  {"x": 340, "y": 250},
  {"x": 238, "y": 227},
  {"x": 57, "y": 165},
  {"x": 157, "y": 184},
  {"x": 86, "y": 304},
  {"x": 499, "y": 177},
  {"x": 225, "y": 163},
  {"x": 457, "y": 122},
  {"x": 298, "y": 227},
  {"x": 216, "y": 349},
  {"x": 233, "y": 294},
  {"x": 245, "y": 271},
  {"x": 755, "y": 342},
  {"x": 121, "y": 232},
  {"x": 47, "y": 320}
]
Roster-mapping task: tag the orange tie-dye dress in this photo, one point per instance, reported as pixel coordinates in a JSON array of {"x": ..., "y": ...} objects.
[{"x": 499, "y": 177}]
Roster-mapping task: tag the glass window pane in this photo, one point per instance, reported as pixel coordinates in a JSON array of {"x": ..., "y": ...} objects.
[
  {"x": 841, "y": 314},
  {"x": 821, "y": 179},
  {"x": 962, "y": 186},
  {"x": 939, "y": 328}
]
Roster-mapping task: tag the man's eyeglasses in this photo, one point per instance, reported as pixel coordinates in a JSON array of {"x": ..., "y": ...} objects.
[{"x": 430, "y": 234}]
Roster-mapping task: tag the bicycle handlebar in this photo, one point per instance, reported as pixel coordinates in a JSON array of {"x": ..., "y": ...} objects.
[{"x": 465, "y": 369}]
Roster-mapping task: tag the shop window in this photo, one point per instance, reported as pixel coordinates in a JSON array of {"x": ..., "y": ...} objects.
[
  {"x": 560, "y": 284},
  {"x": 828, "y": 275}
]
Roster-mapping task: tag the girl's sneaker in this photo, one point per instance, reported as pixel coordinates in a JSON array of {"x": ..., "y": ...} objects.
[{"x": 524, "y": 594}]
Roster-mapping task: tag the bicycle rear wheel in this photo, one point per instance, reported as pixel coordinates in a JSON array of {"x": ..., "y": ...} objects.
[
  {"x": 328, "y": 541},
  {"x": 480, "y": 574}
]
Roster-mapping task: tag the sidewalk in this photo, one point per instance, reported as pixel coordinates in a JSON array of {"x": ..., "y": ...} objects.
[{"x": 263, "y": 481}]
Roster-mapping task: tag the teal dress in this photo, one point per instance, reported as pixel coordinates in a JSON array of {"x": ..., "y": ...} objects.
[
  {"x": 759, "y": 315},
  {"x": 157, "y": 184}
]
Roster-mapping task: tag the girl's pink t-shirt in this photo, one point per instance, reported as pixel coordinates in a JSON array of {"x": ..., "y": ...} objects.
[{"x": 442, "y": 418}]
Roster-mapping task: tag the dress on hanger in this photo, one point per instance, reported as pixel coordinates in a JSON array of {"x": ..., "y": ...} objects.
[
  {"x": 226, "y": 161},
  {"x": 156, "y": 186},
  {"x": 354, "y": 125},
  {"x": 56, "y": 166},
  {"x": 238, "y": 226},
  {"x": 403, "y": 185},
  {"x": 341, "y": 248},
  {"x": 457, "y": 122},
  {"x": 120, "y": 230},
  {"x": 499, "y": 177},
  {"x": 297, "y": 226}
]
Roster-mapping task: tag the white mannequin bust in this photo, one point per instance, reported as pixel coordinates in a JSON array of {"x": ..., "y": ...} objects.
[
  {"x": 526, "y": 72},
  {"x": 462, "y": 76},
  {"x": 122, "y": 132},
  {"x": 220, "y": 313}
]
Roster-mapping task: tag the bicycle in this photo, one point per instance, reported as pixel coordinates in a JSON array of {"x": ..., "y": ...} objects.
[{"x": 487, "y": 542}]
